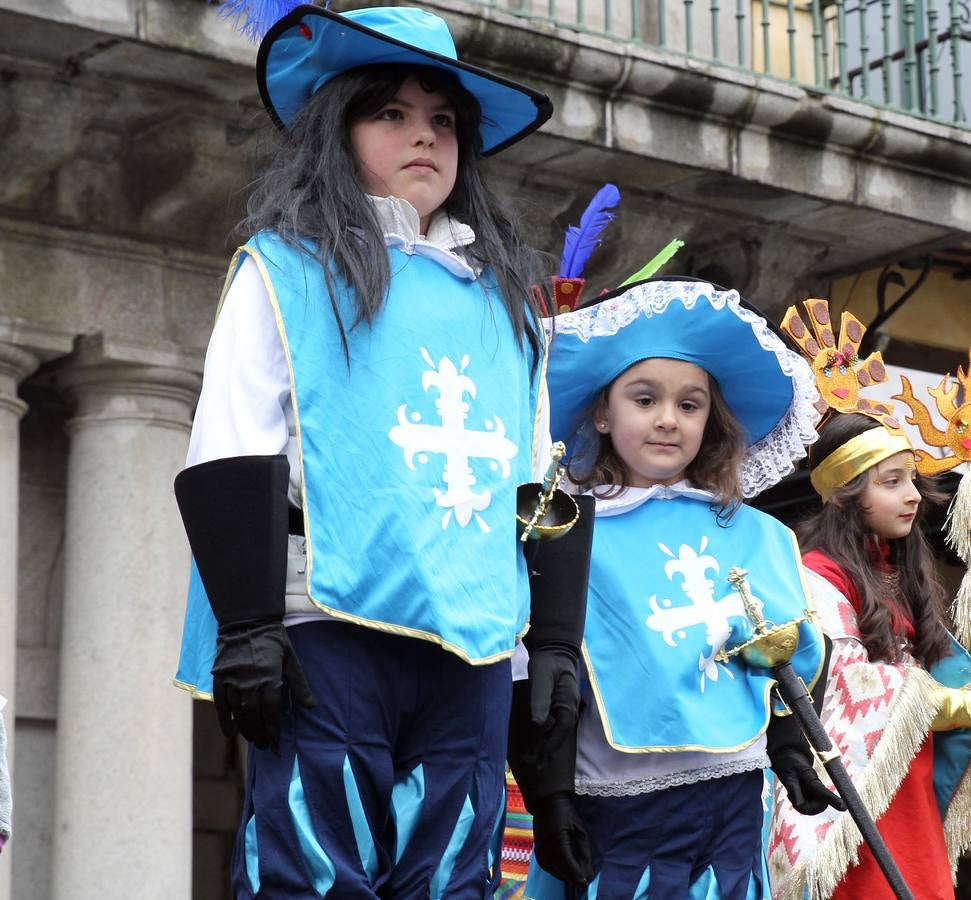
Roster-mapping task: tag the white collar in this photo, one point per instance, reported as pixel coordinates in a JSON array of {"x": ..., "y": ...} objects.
[
  {"x": 401, "y": 226},
  {"x": 632, "y": 497}
]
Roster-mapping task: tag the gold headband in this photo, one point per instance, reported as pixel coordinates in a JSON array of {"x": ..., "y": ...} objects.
[{"x": 854, "y": 458}]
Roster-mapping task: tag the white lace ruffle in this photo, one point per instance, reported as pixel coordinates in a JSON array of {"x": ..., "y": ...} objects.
[
  {"x": 595, "y": 788},
  {"x": 631, "y": 497},
  {"x": 773, "y": 457},
  {"x": 402, "y": 229}
]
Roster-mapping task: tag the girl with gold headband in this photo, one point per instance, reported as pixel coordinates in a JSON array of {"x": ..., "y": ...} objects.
[{"x": 896, "y": 705}]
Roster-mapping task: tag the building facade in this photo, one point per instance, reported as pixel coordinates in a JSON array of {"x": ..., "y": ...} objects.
[{"x": 791, "y": 156}]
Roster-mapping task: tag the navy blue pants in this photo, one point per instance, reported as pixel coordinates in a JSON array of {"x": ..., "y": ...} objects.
[
  {"x": 391, "y": 786},
  {"x": 661, "y": 844}
]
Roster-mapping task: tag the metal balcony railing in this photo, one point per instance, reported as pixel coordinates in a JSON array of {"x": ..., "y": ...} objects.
[{"x": 910, "y": 55}]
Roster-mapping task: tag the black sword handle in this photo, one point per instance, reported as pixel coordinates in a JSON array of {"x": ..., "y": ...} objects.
[{"x": 794, "y": 694}]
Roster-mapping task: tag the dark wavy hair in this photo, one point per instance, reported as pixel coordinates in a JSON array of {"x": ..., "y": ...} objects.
[
  {"x": 715, "y": 468},
  {"x": 310, "y": 195},
  {"x": 839, "y": 531}
]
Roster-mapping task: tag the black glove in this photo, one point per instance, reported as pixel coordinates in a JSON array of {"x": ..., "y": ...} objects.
[
  {"x": 560, "y": 841},
  {"x": 791, "y": 758},
  {"x": 236, "y": 517},
  {"x": 559, "y": 571},
  {"x": 807, "y": 794},
  {"x": 554, "y": 698},
  {"x": 539, "y": 771},
  {"x": 247, "y": 682}
]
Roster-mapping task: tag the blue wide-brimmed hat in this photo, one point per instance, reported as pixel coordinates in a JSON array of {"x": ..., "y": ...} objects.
[
  {"x": 769, "y": 388},
  {"x": 310, "y": 45}
]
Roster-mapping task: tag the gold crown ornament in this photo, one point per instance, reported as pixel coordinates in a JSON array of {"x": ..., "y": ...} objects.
[
  {"x": 840, "y": 375},
  {"x": 839, "y": 371}
]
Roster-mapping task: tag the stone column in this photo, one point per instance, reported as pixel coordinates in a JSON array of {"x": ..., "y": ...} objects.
[
  {"x": 15, "y": 365},
  {"x": 123, "y": 817}
]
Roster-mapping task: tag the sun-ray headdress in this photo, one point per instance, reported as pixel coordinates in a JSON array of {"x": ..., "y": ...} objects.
[
  {"x": 836, "y": 363},
  {"x": 840, "y": 374},
  {"x": 953, "y": 401}
]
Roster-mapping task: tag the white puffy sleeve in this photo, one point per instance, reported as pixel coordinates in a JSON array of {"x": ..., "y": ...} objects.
[{"x": 244, "y": 408}]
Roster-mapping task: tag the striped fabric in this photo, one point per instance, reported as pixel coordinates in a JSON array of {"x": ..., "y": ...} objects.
[{"x": 517, "y": 843}]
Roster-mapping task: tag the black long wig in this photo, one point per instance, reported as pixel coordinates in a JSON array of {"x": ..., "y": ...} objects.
[{"x": 309, "y": 194}]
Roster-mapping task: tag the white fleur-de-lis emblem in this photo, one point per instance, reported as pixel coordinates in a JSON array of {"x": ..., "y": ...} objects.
[
  {"x": 454, "y": 441},
  {"x": 703, "y": 609}
]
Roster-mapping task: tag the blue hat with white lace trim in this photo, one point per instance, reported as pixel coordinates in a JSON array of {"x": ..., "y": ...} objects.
[
  {"x": 310, "y": 45},
  {"x": 768, "y": 388}
]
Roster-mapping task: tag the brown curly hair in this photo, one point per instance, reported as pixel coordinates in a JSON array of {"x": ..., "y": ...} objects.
[{"x": 715, "y": 468}]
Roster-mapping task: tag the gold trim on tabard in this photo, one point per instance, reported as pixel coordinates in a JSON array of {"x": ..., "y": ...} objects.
[
  {"x": 667, "y": 748},
  {"x": 541, "y": 396},
  {"x": 192, "y": 689},
  {"x": 854, "y": 458},
  {"x": 808, "y": 608},
  {"x": 376, "y": 624},
  {"x": 812, "y": 617}
]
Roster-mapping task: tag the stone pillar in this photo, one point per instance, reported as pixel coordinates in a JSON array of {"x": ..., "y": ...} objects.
[
  {"x": 15, "y": 365},
  {"x": 123, "y": 817}
]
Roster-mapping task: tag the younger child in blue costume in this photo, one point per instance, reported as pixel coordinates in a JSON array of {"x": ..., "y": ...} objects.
[
  {"x": 677, "y": 401},
  {"x": 372, "y": 398}
]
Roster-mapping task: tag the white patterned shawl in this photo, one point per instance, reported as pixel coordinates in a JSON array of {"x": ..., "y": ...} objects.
[{"x": 878, "y": 716}]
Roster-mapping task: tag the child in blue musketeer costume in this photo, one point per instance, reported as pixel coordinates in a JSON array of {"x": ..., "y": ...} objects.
[
  {"x": 372, "y": 398},
  {"x": 676, "y": 401}
]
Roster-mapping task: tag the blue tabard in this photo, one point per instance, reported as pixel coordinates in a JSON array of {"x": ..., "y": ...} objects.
[
  {"x": 952, "y": 749},
  {"x": 660, "y": 606},
  {"x": 411, "y": 456}
]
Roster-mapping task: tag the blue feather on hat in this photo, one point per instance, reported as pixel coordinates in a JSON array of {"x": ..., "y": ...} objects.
[
  {"x": 582, "y": 240},
  {"x": 254, "y": 17}
]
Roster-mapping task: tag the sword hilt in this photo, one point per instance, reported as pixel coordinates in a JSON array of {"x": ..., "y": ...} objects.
[
  {"x": 549, "y": 512},
  {"x": 770, "y": 644}
]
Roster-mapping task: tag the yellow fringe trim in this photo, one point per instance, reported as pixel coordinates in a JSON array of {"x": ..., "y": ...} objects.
[
  {"x": 961, "y": 612},
  {"x": 958, "y": 535},
  {"x": 907, "y": 725},
  {"x": 958, "y": 525}
]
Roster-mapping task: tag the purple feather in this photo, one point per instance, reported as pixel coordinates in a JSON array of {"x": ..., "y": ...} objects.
[
  {"x": 253, "y": 18},
  {"x": 582, "y": 240}
]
